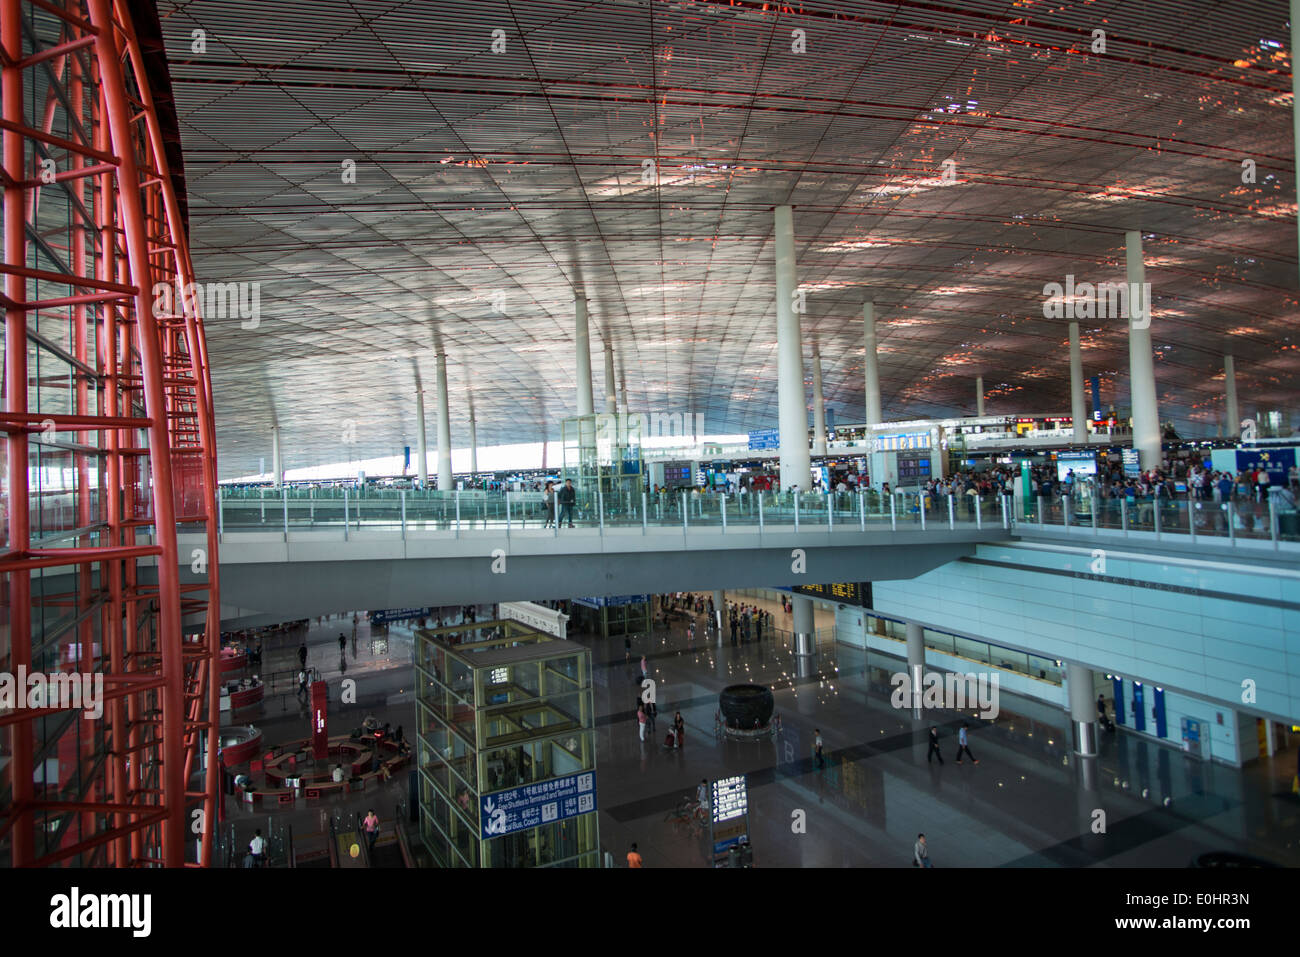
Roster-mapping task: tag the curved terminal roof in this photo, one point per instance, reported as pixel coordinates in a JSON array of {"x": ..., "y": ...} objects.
[{"x": 508, "y": 152}]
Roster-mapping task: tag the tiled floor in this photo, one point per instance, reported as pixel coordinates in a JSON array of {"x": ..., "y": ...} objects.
[
  {"x": 1025, "y": 804},
  {"x": 381, "y": 665}
]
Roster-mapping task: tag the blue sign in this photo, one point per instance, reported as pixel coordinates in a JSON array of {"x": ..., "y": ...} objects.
[
  {"x": 406, "y": 458},
  {"x": 1096, "y": 398},
  {"x": 765, "y": 439},
  {"x": 1132, "y": 465},
  {"x": 398, "y": 614},
  {"x": 533, "y": 805},
  {"x": 1276, "y": 462},
  {"x": 611, "y": 601}
]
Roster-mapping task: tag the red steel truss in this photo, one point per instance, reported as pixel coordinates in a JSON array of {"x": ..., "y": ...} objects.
[{"x": 109, "y": 453}]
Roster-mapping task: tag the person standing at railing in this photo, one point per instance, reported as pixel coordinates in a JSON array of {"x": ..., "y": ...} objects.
[
  {"x": 1261, "y": 484},
  {"x": 548, "y": 498},
  {"x": 567, "y": 498}
]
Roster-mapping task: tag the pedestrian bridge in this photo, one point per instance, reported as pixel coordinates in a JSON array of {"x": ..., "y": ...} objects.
[{"x": 289, "y": 557}]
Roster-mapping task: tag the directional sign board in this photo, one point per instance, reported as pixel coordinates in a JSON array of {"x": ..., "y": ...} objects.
[
  {"x": 729, "y": 816},
  {"x": 533, "y": 805}
]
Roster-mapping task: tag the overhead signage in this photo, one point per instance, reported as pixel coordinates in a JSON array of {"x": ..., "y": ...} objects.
[
  {"x": 398, "y": 614},
  {"x": 764, "y": 439},
  {"x": 532, "y": 805},
  {"x": 901, "y": 440},
  {"x": 848, "y": 593},
  {"x": 611, "y": 601},
  {"x": 544, "y": 619}
]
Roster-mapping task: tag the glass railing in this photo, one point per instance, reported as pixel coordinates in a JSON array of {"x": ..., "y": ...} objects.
[
  {"x": 348, "y": 511},
  {"x": 1184, "y": 517},
  {"x": 622, "y": 512}
]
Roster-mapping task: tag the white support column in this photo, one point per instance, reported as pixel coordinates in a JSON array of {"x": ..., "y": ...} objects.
[
  {"x": 1232, "y": 422},
  {"x": 473, "y": 435},
  {"x": 1077, "y": 409},
  {"x": 277, "y": 479},
  {"x": 1083, "y": 710},
  {"x": 582, "y": 347},
  {"x": 444, "y": 428},
  {"x": 422, "y": 439},
  {"x": 803, "y": 625},
  {"x": 1142, "y": 370},
  {"x": 979, "y": 395},
  {"x": 1295, "y": 96},
  {"x": 611, "y": 401},
  {"x": 473, "y": 444},
  {"x": 870, "y": 370},
  {"x": 792, "y": 404},
  {"x": 916, "y": 663},
  {"x": 819, "y": 405}
]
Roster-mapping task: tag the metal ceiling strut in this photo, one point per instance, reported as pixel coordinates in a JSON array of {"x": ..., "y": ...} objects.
[{"x": 109, "y": 449}]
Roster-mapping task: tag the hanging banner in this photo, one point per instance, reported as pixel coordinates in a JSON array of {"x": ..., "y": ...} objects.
[{"x": 320, "y": 736}]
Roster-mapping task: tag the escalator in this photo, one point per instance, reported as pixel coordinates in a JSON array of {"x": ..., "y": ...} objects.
[
  {"x": 392, "y": 848},
  {"x": 387, "y": 853},
  {"x": 347, "y": 842}
]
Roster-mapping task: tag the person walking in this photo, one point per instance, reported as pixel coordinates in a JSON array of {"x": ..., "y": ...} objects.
[
  {"x": 680, "y": 727},
  {"x": 735, "y": 625},
  {"x": 371, "y": 824},
  {"x": 963, "y": 746},
  {"x": 567, "y": 499},
  {"x": 921, "y": 853},
  {"x": 627, "y": 648},
  {"x": 257, "y": 849},
  {"x": 934, "y": 746},
  {"x": 817, "y": 747},
  {"x": 634, "y": 859},
  {"x": 343, "y": 642},
  {"x": 641, "y": 719},
  {"x": 651, "y": 709},
  {"x": 645, "y": 670},
  {"x": 302, "y": 655}
]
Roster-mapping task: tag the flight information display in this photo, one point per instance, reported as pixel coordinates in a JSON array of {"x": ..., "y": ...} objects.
[
  {"x": 850, "y": 593},
  {"x": 678, "y": 474}
]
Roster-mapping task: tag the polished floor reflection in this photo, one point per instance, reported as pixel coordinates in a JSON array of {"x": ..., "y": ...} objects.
[{"x": 1029, "y": 803}]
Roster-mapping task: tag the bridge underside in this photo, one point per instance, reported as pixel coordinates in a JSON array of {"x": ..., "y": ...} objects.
[{"x": 467, "y": 572}]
